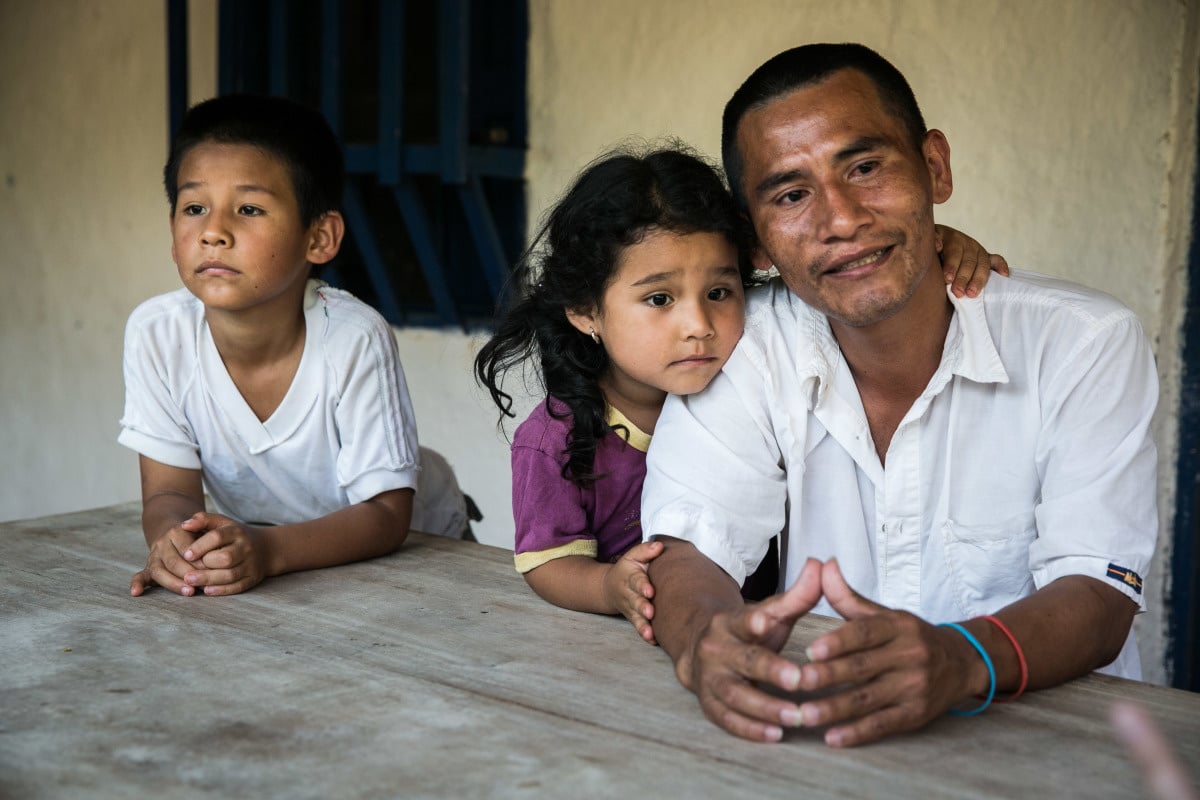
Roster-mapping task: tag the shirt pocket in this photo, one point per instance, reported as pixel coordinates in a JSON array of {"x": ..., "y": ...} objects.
[{"x": 988, "y": 564}]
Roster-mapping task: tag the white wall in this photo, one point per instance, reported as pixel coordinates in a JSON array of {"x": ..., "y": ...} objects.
[{"x": 1071, "y": 126}]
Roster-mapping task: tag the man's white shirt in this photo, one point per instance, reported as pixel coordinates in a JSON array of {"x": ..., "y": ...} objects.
[{"x": 1027, "y": 458}]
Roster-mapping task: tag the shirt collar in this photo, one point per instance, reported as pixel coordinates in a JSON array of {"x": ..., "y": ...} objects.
[
  {"x": 969, "y": 352},
  {"x": 636, "y": 437}
]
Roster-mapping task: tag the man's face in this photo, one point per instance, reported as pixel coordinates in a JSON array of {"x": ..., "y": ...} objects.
[{"x": 841, "y": 200}]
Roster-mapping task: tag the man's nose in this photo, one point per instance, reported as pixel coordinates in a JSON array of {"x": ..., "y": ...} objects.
[{"x": 842, "y": 212}]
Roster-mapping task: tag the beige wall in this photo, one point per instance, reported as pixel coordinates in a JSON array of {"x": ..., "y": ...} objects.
[{"x": 1071, "y": 127}]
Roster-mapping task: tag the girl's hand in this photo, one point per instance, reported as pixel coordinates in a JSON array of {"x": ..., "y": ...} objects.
[
  {"x": 231, "y": 559},
  {"x": 966, "y": 264},
  {"x": 628, "y": 589}
]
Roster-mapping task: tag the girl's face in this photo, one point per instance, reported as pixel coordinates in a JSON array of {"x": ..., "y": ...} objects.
[{"x": 670, "y": 316}]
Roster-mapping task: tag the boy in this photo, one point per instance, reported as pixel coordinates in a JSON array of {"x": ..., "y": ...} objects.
[{"x": 280, "y": 396}]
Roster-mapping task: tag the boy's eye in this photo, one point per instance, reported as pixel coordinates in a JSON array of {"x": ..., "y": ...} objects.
[
  {"x": 250, "y": 211},
  {"x": 720, "y": 293},
  {"x": 192, "y": 210},
  {"x": 659, "y": 300}
]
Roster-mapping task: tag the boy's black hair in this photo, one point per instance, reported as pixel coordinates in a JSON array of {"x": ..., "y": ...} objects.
[
  {"x": 614, "y": 203},
  {"x": 804, "y": 66},
  {"x": 295, "y": 134}
]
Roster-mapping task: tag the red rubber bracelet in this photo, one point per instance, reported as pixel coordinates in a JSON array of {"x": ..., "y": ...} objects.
[{"x": 1020, "y": 659}]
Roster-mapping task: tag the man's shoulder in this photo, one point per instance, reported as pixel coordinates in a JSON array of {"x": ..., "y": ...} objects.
[{"x": 1037, "y": 295}]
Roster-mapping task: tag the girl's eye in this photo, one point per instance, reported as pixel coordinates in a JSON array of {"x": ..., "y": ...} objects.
[
  {"x": 720, "y": 293},
  {"x": 193, "y": 210},
  {"x": 250, "y": 211},
  {"x": 658, "y": 300}
]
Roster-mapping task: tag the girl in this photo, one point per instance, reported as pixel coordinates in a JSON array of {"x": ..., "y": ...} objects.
[{"x": 633, "y": 288}]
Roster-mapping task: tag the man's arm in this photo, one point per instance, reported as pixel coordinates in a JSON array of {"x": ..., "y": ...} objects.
[
  {"x": 721, "y": 646},
  {"x": 906, "y": 671}
]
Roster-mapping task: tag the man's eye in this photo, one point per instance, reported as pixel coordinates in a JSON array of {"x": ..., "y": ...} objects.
[
  {"x": 250, "y": 211},
  {"x": 193, "y": 210},
  {"x": 719, "y": 294},
  {"x": 659, "y": 300},
  {"x": 867, "y": 167},
  {"x": 794, "y": 196}
]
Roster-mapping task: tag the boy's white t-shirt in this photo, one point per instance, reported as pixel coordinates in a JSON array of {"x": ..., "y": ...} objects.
[{"x": 344, "y": 432}]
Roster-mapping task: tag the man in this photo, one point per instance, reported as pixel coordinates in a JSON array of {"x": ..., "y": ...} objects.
[{"x": 948, "y": 458}]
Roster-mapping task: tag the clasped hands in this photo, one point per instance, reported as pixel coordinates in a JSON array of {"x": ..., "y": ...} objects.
[
  {"x": 882, "y": 672},
  {"x": 206, "y": 552}
]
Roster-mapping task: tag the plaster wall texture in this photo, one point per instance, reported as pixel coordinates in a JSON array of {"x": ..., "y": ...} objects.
[{"x": 1071, "y": 126}]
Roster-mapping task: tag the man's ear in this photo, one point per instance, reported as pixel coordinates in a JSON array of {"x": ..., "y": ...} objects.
[
  {"x": 936, "y": 151},
  {"x": 584, "y": 321},
  {"x": 759, "y": 258},
  {"x": 325, "y": 237}
]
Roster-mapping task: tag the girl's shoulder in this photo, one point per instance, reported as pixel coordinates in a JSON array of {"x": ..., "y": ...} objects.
[{"x": 546, "y": 428}]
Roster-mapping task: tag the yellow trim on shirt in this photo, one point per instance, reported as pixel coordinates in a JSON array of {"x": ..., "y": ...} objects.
[
  {"x": 535, "y": 558},
  {"x": 638, "y": 439}
]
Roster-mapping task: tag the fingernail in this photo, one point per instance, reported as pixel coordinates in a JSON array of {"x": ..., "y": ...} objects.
[
  {"x": 834, "y": 737},
  {"x": 815, "y": 652},
  {"x": 810, "y": 715},
  {"x": 792, "y": 718},
  {"x": 774, "y": 734},
  {"x": 790, "y": 677},
  {"x": 188, "y": 555},
  {"x": 187, "y": 591}
]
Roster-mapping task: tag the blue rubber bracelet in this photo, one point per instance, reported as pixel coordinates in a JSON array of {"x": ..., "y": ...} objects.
[{"x": 987, "y": 662}]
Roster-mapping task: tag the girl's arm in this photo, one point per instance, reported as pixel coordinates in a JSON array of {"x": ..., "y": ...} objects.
[
  {"x": 966, "y": 264},
  {"x": 585, "y": 584}
]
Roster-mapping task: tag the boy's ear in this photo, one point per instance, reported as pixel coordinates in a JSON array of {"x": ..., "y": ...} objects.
[
  {"x": 583, "y": 321},
  {"x": 325, "y": 237}
]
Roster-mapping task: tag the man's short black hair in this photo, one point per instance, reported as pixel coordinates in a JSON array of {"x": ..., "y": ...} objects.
[
  {"x": 803, "y": 66},
  {"x": 296, "y": 135}
]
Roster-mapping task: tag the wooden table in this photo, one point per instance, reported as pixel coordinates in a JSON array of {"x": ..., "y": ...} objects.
[{"x": 436, "y": 672}]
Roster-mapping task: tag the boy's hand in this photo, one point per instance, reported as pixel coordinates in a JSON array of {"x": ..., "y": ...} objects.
[
  {"x": 226, "y": 558},
  {"x": 627, "y": 587},
  {"x": 966, "y": 264},
  {"x": 166, "y": 565}
]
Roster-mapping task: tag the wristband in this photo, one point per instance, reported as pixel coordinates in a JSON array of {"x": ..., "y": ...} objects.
[
  {"x": 1024, "y": 666},
  {"x": 987, "y": 661}
]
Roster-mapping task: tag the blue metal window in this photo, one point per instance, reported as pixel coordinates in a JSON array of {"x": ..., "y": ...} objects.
[{"x": 428, "y": 99}]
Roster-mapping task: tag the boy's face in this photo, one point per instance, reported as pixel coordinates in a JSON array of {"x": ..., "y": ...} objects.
[{"x": 236, "y": 234}]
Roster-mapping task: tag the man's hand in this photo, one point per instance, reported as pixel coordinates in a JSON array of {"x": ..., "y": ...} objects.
[
  {"x": 627, "y": 587},
  {"x": 227, "y": 558},
  {"x": 902, "y": 670},
  {"x": 741, "y": 647},
  {"x": 166, "y": 565}
]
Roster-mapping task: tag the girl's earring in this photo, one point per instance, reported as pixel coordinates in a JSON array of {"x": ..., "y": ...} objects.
[{"x": 595, "y": 338}]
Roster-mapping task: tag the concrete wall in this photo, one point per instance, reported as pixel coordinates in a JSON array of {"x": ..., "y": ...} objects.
[{"x": 1071, "y": 126}]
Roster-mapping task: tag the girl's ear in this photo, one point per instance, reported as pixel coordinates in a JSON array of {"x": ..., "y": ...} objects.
[
  {"x": 584, "y": 321},
  {"x": 325, "y": 237}
]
